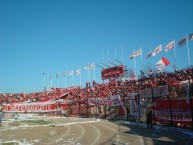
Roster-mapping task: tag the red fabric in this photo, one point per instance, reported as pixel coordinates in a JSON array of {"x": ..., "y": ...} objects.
[{"x": 165, "y": 61}]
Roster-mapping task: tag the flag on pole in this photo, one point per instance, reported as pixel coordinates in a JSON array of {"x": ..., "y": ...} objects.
[
  {"x": 57, "y": 75},
  {"x": 138, "y": 52},
  {"x": 161, "y": 64},
  {"x": 148, "y": 55},
  {"x": 92, "y": 66},
  {"x": 64, "y": 74},
  {"x": 182, "y": 41},
  {"x": 78, "y": 71},
  {"x": 157, "y": 50},
  {"x": 71, "y": 73},
  {"x": 170, "y": 46},
  {"x": 86, "y": 67},
  {"x": 191, "y": 37},
  {"x": 50, "y": 77},
  {"x": 134, "y": 54}
]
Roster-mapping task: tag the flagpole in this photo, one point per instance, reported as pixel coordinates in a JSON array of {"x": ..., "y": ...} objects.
[
  {"x": 103, "y": 57},
  {"x": 188, "y": 50},
  {"x": 94, "y": 73},
  {"x": 108, "y": 56},
  {"x": 43, "y": 78},
  {"x": 80, "y": 79},
  {"x": 141, "y": 59},
  {"x": 72, "y": 79},
  {"x": 65, "y": 81},
  {"x": 94, "y": 70},
  {"x": 122, "y": 53},
  {"x": 115, "y": 53},
  {"x": 58, "y": 79},
  {"x": 175, "y": 49},
  {"x": 134, "y": 63},
  {"x": 51, "y": 80},
  {"x": 88, "y": 72}
]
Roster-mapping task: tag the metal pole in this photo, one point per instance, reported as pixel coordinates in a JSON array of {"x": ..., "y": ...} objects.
[
  {"x": 170, "y": 107},
  {"x": 153, "y": 105},
  {"x": 190, "y": 100},
  {"x": 139, "y": 107}
]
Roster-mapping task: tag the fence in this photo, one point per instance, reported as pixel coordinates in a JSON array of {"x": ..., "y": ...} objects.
[{"x": 171, "y": 104}]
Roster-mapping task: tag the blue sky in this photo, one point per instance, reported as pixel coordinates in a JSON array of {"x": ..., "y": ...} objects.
[{"x": 61, "y": 35}]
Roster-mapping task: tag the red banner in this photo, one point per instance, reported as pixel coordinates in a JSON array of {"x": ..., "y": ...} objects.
[{"x": 180, "y": 112}]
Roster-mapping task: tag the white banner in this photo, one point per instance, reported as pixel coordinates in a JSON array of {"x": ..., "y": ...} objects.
[
  {"x": 134, "y": 105},
  {"x": 110, "y": 101}
]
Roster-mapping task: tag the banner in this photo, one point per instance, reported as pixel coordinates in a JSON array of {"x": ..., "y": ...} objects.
[
  {"x": 136, "y": 105},
  {"x": 110, "y": 101},
  {"x": 180, "y": 112},
  {"x": 144, "y": 94},
  {"x": 30, "y": 107},
  {"x": 181, "y": 89},
  {"x": 160, "y": 91}
]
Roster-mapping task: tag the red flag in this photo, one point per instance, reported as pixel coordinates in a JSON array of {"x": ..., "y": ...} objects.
[{"x": 165, "y": 61}]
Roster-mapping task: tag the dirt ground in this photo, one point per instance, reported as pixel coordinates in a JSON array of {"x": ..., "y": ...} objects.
[
  {"x": 48, "y": 130},
  {"x": 63, "y": 131}
]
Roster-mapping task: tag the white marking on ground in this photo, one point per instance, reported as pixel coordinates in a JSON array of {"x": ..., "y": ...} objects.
[
  {"x": 98, "y": 134},
  {"x": 81, "y": 135}
]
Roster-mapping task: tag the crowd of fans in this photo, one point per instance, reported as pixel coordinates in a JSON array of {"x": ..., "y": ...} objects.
[{"x": 95, "y": 90}]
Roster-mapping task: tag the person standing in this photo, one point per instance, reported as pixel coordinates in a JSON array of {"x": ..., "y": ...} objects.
[{"x": 149, "y": 117}]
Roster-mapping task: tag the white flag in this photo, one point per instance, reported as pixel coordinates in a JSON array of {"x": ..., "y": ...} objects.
[
  {"x": 71, "y": 73},
  {"x": 92, "y": 66},
  {"x": 170, "y": 46},
  {"x": 78, "y": 71},
  {"x": 86, "y": 68},
  {"x": 137, "y": 53},
  {"x": 157, "y": 50}
]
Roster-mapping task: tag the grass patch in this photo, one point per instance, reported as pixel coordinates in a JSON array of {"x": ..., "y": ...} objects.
[
  {"x": 10, "y": 143},
  {"x": 39, "y": 122},
  {"x": 13, "y": 124}
]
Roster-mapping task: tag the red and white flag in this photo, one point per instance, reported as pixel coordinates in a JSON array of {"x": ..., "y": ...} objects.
[
  {"x": 92, "y": 66},
  {"x": 78, "y": 71},
  {"x": 71, "y": 73},
  {"x": 161, "y": 64},
  {"x": 137, "y": 53},
  {"x": 132, "y": 55},
  {"x": 86, "y": 67},
  {"x": 170, "y": 46},
  {"x": 157, "y": 50}
]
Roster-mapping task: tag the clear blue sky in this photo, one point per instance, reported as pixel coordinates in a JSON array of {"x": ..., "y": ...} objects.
[{"x": 61, "y": 35}]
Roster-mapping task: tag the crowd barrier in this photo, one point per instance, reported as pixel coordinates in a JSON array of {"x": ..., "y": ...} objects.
[{"x": 171, "y": 104}]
